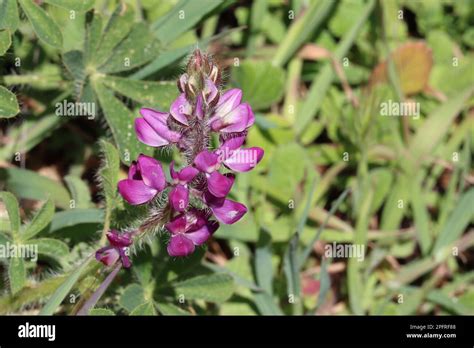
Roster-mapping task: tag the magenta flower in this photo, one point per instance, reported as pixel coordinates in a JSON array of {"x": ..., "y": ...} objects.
[
  {"x": 236, "y": 158},
  {"x": 218, "y": 184},
  {"x": 110, "y": 254},
  {"x": 226, "y": 210},
  {"x": 189, "y": 230},
  {"x": 153, "y": 129},
  {"x": 230, "y": 115},
  {"x": 145, "y": 180},
  {"x": 179, "y": 194},
  {"x": 181, "y": 109}
]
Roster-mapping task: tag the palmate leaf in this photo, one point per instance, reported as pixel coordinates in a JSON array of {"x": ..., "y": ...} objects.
[
  {"x": 16, "y": 274},
  {"x": 50, "y": 247},
  {"x": 13, "y": 209},
  {"x": 42, "y": 218}
]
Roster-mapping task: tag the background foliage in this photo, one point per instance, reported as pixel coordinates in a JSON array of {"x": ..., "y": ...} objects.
[{"x": 335, "y": 170}]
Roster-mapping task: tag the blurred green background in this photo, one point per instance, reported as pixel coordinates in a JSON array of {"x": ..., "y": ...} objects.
[{"x": 316, "y": 74}]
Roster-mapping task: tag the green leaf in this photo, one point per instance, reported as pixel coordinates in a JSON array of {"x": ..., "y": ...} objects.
[
  {"x": 42, "y": 218},
  {"x": 170, "y": 309},
  {"x": 5, "y": 41},
  {"x": 121, "y": 122},
  {"x": 213, "y": 288},
  {"x": 28, "y": 184},
  {"x": 37, "y": 129},
  {"x": 132, "y": 297},
  {"x": 13, "y": 209},
  {"x": 16, "y": 274},
  {"x": 8, "y": 103},
  {"x": 460, "y": 218},
  {"x": 72, "y": 217},
  {"x": 138, "y": 48},
  {"x": 262, "y": 83},
  {"x": 301, "y": 29},
  {"x": 115, "y": 31},
  {"x": 79, "y": 191},
  {"x": 101, "y": 312},
  {"x": 420, "y": 214},
  {"x": 73, "y": 61},
  {"x": 64, "y": 289},
  {"x": 9, "y": 18},
  {"x": 146, "y": 308},
  {"x": 182, "y": 17},
  {"x": 263, "y": 263},
  {"x": 50, "y": 247},
  {"x": 158, "y": 95},
  {"x": 76, "y": 5},
  {"x": 43, "y": 24}
]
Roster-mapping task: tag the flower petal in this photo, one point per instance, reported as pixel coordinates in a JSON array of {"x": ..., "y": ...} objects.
[
  {"x": 187, "y": 174},
  {"x": 210, "y": 91},
  {"x": 180, "y": 245},
  {"x": 152, "y": 172},
  {"x": 228, "y": 211},
  {"x": 251, "y": 116},
  {"x": 107, "y": 255},
  {"x": 180, "y": 108},
  {"x": 119, "y": 240},
  {"x": 179, "y": 198},
  {"x": 199, "y": 236},
  {"x": 135, "y": 191},
  {"x": 234, "y": 121},
  {"x": 244, "y": 159},
  {"x": 219, "y": 185},
  {"x": 133, "y": 172},
  {"x": 228, "y": 101},
  {"x": 177, "y": 225},
  {"x": 206, "y": 161},
  {"x": 147, "y": 135},
  {"x": 157, "y": 121}
]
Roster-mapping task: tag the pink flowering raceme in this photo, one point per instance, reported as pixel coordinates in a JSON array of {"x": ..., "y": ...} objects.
[{"x": 194, "y": 201}]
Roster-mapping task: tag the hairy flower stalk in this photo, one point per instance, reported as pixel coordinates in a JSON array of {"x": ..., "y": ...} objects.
[{"x": 196, "y": 196}]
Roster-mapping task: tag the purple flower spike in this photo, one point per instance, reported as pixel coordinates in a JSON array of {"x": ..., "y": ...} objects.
[
  {"x": 189, "y": 230},
  {"x": 181, "y": 109},
  {"x": 145, "y": 179},
  {"x": 153, "y": 130},
  {"x": 179, "y": 194},
  {"x": 116, "y": 249}
]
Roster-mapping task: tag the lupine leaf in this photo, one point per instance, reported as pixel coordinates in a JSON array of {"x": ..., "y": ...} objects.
[
  {"x": 43, "y": 24},
  {"x": 50, "y": 247},
  {"x": 28, "y": 184},
  {"x": 9, "y": 18},
  {"x": 121, "y": 123},
  {"x": 158, "y": 95},
  {"x": 146, "y": 308},
  {"x": 138, "y": 48},
  {"x": 16, "y": 274},
  {"x": 5, "y": 41},
  {"x": 13, "y": 209},
  {"x": 42, "y": 218},
  {"x": 8, "y": 103}
]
